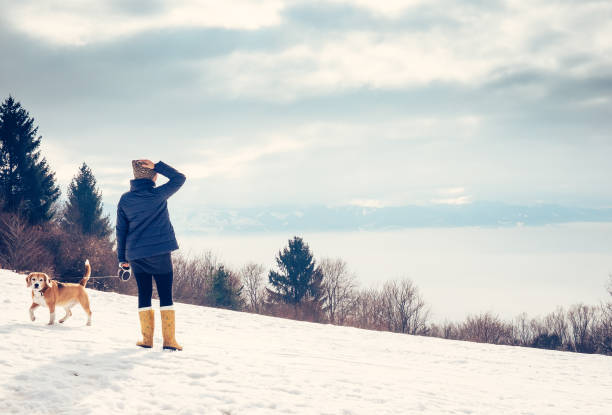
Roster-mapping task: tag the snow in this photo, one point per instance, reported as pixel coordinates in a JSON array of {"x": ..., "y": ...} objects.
[{"x": 240, "y": 363}]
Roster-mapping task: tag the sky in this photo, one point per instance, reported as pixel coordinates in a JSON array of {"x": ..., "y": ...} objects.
[{"x": 336, "y": 103}]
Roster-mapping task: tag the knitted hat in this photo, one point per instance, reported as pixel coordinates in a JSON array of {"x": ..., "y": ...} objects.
[{"x": 141, "y": 172}]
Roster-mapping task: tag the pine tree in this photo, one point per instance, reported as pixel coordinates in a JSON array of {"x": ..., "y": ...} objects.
[
  {"x": 315, "y": 297},
  {"x": 27, "y": 185},
  {"x": 298, "y": 278},
  {"x": 226, "y": 290},
  {"x": 83, "y": 211}
]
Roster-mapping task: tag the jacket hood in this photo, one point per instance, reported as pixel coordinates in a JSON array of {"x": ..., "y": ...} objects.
[{"x": 141, "y": 184}]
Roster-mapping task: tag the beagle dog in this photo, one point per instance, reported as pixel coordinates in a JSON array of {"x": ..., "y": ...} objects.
[{"x": 50, "y": 293}]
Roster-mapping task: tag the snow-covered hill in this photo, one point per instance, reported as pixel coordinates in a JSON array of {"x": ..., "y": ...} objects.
[{"x": 238, "y": 363}]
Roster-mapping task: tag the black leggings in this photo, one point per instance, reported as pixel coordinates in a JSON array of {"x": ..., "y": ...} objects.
[{"x": 145, "y": 289}]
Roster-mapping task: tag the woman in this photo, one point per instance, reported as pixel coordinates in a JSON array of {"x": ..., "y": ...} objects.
[{"x": 145, "y": 240}]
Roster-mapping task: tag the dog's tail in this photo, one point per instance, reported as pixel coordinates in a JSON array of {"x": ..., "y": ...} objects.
[{"x": 85, "y": 278}]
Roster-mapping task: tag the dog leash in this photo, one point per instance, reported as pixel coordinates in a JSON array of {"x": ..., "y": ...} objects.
[
  {"x": 72, "y": 279},
  {"x": 123, "y": 274}
]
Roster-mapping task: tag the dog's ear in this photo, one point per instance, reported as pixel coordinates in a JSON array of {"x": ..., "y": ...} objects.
[
  {"x": 29, "y": 280},
  {"x": 47, "y": 280}
]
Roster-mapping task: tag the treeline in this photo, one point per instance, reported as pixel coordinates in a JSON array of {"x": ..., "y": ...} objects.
[
  {"x": 582, "y": 328},
  {"x": 301, "y": 289},
  {"x": 332, "y": 295},
  {"x": 37, "y": 230}
]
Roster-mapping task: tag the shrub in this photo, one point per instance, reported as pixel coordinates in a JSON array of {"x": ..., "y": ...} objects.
[
  {"x": 486, "y": 328},
  {"x": 547, "y": 341},
  {"x": 226, "y": 290},
  {"x": 21, "y": 245},
  {"x": 193, "y": 278}
]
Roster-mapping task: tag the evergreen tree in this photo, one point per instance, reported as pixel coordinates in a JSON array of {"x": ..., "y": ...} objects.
[
  {"x": 298, "y": 278},
  {"x": 226, "y": 290},
  {"x": 83, "y": 211},
  {"x": 27, "y": 185},
  {"x": 315, "y": 297}
]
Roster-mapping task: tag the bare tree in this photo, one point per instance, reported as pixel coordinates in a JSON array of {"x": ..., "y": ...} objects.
[
  {"x": 404, "y": 310},
  {"x": 339, "y": 287},
  {"x": 605, "y": 336},
  {"x": 556, "y": 323},
  {"x": 20, "y": 245},
  {"x": 607, "y": 322},
  {"x": 366, "y": 313},
  {"x": 603, "y": 330},
  {"x": 538, "y": 328},
  {"x": 584, "y": 329},
  {"x": 581, "y": 321},
  {"x": 193, "y": 277},
  {"x": 522, "y": 330},
  {"x": 252, "y": 276},
  {"x": 445, "y": 330},
  {"x": 486, "y": 328},
  {"x": 449, "y": 330}
]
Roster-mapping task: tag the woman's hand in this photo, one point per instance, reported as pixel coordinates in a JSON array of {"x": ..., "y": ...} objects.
[
  {"x": 147, "y": 163},
  {"x": 125, "y": 264}
]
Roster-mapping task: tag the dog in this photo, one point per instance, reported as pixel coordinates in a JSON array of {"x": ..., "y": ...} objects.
[{"x": 50, "y": 293}]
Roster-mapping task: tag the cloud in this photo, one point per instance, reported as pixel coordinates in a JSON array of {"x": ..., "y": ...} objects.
[
  {"x": 337, "y": 16},
  {"x": 367, "y": 203},
  {"x": 112, "y": 173},
  {"x": 243, "y": 50},
  {"x": 233, "y": 163},
  {"x": 387, "y": 8},
  {"x": 461, "y": 200},
  {"x": 325, "y": 102},
  {"x": 138, "y": 7},
  {"x": 482, "y": 47},
  {"x": 407, "y": 128},
  {"x": 358, "y": 60},
  {"x": 452, "y": 196},
  {"x": 82, "y": 22},
  {"x": 595, "y": 102},
  {"x": 452, "y": 191}
]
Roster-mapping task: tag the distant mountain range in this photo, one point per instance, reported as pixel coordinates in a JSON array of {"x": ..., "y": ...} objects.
[{"x": 351, "y": 218}]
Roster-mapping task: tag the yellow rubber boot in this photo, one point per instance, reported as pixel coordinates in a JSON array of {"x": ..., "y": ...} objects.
[
  {"x": 147, "y": 327},
  {"x": 167, "y": 317}
]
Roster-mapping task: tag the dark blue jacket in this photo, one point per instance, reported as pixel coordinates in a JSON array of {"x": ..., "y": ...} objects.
[{"x": 143, "y": 223}]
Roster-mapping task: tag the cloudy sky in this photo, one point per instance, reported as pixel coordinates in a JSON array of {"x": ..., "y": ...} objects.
[{"x": 329, "y": 103}]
